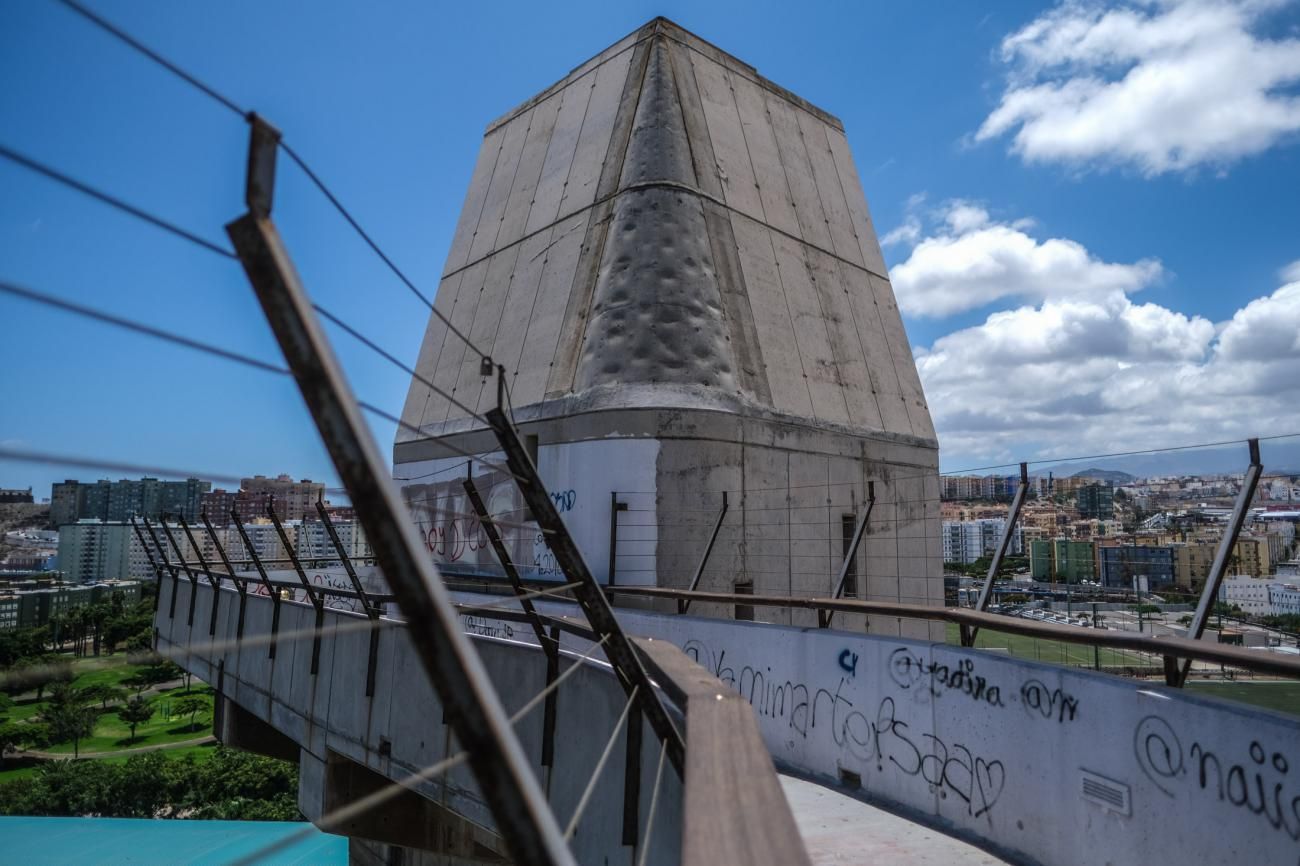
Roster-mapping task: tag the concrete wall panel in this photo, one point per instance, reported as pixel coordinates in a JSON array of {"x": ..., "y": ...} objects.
[
  {"x": 546, "y": 321},
  {"x": 765, "y": 157},
  {"x": 467, "y": 225},
  {"x": 739, "y": 188},
  {"x": 541, "y": 126},
  {"x": 488, "y": 312},
  {"x": 498, "y": 192},
  {"x": 593, "y": 140},
  {"x": 560, "y": 153},
  {"x": 856, "y": 202},
  {"x": 839, "y": 222},
  {"x": 798, "y": 173},
  {"x": 810, "y": 332},
  {"x": 772, "y": 318}
]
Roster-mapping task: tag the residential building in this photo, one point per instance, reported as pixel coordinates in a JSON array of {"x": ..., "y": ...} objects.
[
  {"x": 968, "y": 540},
  {"x": 34, "y": 604},
  {"x": 11, "y": 496},
  {"x": 1133, "y": 566},
  {"x": 294, "y": 500},
  {"x": 72, "y": 501},
  {"x": 1260, "y": 596},
  {"x": 1096, "y": 501},
  {"x": 1062, "y": 559}
]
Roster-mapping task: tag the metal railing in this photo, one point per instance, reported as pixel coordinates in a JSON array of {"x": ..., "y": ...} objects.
[{"x": 1174, "y": 650}]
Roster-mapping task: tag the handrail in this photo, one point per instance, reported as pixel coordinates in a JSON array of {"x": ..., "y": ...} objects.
[{"x": 1176, "y": 647}]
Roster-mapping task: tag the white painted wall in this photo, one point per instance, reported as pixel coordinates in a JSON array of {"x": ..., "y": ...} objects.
[{"x": 1020, "y": 754}]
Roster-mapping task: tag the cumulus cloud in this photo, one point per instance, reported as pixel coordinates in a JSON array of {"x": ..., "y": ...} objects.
[
  {"x": 972, "y": 260},
  {"x": 1103, "y": 373},
  {"x": 1162, "y": 86}
]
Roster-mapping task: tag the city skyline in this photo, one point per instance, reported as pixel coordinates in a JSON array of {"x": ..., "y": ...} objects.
[{"x": 1067, "y": 289}]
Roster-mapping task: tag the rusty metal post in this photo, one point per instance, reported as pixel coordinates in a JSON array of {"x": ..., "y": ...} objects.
[
  {"x": 235, "y": 579},
  {"x": 372, "y": 612},
  {"x": 824, "y": 616},
  {"x": 512, "y": 574},
  {"x": 266, "y": 581},
  {"x": 153, "y": 564},
  {"x": 588, "y": 593},
  {"x": 194, "y": 581},
  {"x": 1013, "y": 514},
  {"x": 207, "y": 571},
  {"x": 549, "y": 710},
  {"x": 162, "y": 551},
  {"x": 317, "y": 601},
  {"x": 1210, "y": 592},
  {"x": 632, "y": 780},
  {"x": 474, "y": 711},
  {"x": 684, "y": 605}
]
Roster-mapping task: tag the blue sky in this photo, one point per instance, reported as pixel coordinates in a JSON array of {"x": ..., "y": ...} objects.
[{"x": 1090, "y": 209}]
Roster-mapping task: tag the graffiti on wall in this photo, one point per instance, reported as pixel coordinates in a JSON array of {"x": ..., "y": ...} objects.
[
  {"x": 1255, "y": 781},
  {"x": 454, "y": 536}
]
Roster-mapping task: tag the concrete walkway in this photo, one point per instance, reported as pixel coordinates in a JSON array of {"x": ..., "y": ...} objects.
[{"x": 838, "y": 829}]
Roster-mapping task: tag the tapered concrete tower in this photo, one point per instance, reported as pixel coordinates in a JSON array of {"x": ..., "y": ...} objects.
[{"x": 673, "y": 258}]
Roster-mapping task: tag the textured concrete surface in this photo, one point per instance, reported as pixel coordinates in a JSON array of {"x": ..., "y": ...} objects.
[
  {"x": 672, "y": 217},
  {"x": 839, "y": 829},
  {"x": 666, "y": 246}
]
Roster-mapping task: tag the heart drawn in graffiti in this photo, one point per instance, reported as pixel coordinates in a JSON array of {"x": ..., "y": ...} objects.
[{"x": 990, "y": 776}]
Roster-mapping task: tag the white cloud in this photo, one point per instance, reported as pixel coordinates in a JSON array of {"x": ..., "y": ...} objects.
[
  {"x": 1097, "y": 374},
  {"x": 973, "y": 260},
  {"x": 1291, "y": 273},
  {"x": 1163, "y": 86}
]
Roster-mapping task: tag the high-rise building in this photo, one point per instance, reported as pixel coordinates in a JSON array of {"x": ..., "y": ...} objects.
[
  {"x": 965, "y": 541},
  {"x": 293, "y": 500},
  {"x": 1096, "y": 501},
  {"x": 71, "y": 501}
]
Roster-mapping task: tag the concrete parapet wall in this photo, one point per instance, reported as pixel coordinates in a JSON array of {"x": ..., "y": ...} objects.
[
  {"x": 400, "y": 730},
  {"x": 1042, "y": 763}
]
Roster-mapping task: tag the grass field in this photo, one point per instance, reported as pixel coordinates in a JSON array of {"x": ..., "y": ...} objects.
[
  {"x": 199, "y": 753},
  {"x": 1056, "y": 652},
  {"x": 112, "y": 734},
  {"x": 1280, "y": 695}
]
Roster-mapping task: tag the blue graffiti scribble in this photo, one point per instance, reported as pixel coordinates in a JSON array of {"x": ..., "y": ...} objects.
[{"x": 849, "y": 662}]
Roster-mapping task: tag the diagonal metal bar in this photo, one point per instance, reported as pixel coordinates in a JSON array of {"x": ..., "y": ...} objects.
[
  {"x": 986, "y": 592},
  {"x": 1210, "y": 592},
  {"x": 153, "y": 563},
  {"x": 588, "y": 593},
  {"x": 225, "y": 560},
  {"x": 372, "y": 657},
  {"x": 345, "y": 559},
  {"x": 317, "y": 600},
  {"x": 850, "y": 555},
  {"x": 684, "y": 605},
  {"x": 261, "y": 573},
  {"x": 471, "y": 705},
  {"x": 162, "y": 552},
  {"x": 293, "y": 555},
  {"x": 207, "y": 571},
  {"x": 180, "y": 557},
  {"x": 512, "y": 574}
]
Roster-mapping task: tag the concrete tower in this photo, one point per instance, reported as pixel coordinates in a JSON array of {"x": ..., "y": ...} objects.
[{"x": 673, "y": 258}]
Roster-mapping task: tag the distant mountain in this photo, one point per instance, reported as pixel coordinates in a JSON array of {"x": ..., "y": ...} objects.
[
  {"x": 1114, "y": 476},
  {"x": 1279, "y": 456}
]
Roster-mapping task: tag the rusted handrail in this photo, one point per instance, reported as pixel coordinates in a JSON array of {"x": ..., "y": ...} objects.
[{"x": 1177, "y": 647}]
